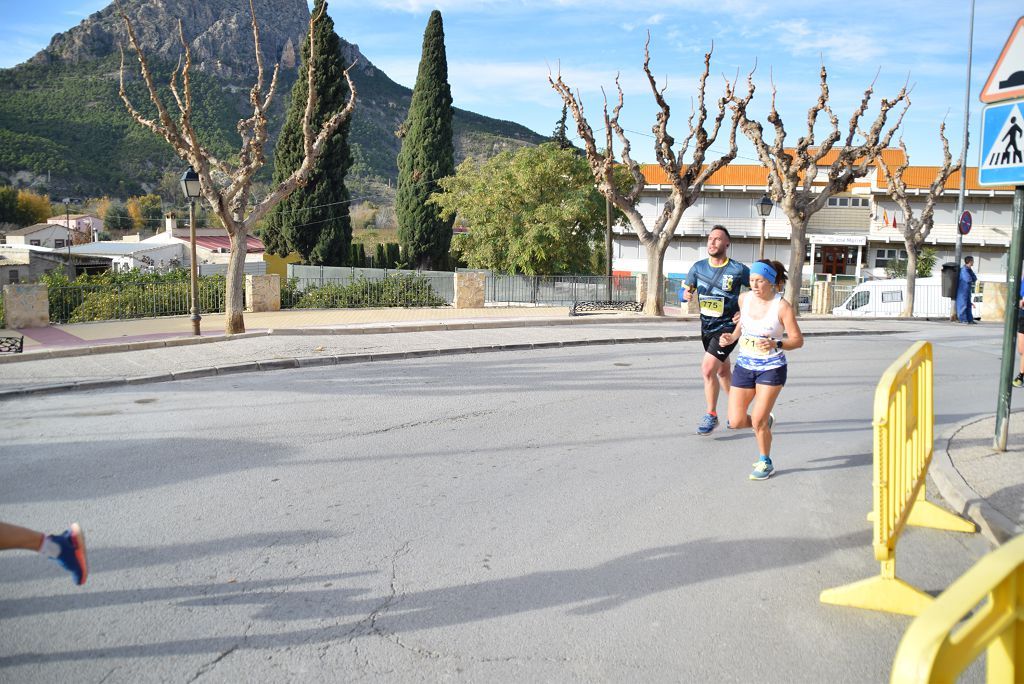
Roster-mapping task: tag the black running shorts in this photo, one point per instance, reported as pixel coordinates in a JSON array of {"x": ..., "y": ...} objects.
[{"x": 713, "y": 347}]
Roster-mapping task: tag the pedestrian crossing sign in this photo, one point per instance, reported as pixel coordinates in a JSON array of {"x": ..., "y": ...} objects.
[{"x": 1002, "y": 144}]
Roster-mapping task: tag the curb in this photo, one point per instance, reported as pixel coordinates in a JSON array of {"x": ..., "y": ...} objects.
[
  {"x": 352, "y": 329},
  {"x": 995, "y": 526},
  {"x": 314, "y": 361}
]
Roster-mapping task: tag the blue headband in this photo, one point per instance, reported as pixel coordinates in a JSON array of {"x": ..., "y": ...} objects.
[{"x": 764, "y": 270}]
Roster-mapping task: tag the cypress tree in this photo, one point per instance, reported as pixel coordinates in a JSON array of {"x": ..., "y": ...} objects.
[
  {"x": 427, "y": 155},
  {"x": 314, "y": 221},
  {"x": 559, "y": 136}
]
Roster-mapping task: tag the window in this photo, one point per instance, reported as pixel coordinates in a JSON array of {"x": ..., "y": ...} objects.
[
  {"x": 12, "y": 276},
  {"x": 858, "y": 300},
  {"x": 847, "y": 202},
  {"x": 58, "y": 244},
  {"x": 34, "y": 242},
  {"x": 892, "y": 296},
  {"x": 882, "y": 256}
]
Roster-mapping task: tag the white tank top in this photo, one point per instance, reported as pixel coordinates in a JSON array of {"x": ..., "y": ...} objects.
[{"x": 755, "y": 329}]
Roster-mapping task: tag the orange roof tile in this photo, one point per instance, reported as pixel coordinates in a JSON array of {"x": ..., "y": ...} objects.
[{"x": 755, "y": 174}]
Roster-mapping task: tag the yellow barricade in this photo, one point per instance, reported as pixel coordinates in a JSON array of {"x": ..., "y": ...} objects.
[
  {"x": 904, "y": 432},
  {"x": 934, "y": 649}
]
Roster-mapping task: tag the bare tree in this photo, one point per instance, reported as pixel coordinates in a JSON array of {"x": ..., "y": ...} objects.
[
  {"x": 917, "y": 228},
  {"x": 227, "y": 187},
  {"x": 686, "y": 178},
  {"x": 792, "y": 172}
]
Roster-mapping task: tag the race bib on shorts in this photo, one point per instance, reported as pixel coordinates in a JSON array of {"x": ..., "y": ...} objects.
[
  {"x": 750, "y": 345},
  {"x": 713, "y": 307}
]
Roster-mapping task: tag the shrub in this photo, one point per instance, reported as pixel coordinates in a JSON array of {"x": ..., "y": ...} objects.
[{"x": 396, "y": 290}]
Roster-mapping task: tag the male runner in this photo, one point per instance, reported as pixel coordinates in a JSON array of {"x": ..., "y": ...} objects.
[{"x": 717, "y": 281}]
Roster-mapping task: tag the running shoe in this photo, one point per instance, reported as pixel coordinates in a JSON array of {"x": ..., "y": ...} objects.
[
  {"x": 72, "y": 552},
  {"x": 1019, "y": 380},
  {"x": 763, "y": 469},
  {"x": 707, "y": 424}
]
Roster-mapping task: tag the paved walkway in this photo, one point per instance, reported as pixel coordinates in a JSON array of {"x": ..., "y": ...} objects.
[{"x": 975, "y": 480}]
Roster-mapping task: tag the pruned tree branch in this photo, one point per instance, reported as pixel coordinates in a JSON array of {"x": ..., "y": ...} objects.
[
  {"x": 227, "y": 187},
  {"x": 793, "y": 172},
  {"x": 686, "y": 178},
  {"x": 916, "y": 229}
]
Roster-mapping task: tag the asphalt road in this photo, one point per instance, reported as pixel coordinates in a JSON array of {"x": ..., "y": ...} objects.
[{"x": 520, "y": 516}]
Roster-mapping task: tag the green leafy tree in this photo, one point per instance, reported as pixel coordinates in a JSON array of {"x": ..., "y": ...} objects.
[
  {"x": 314, "y": 221},
  {"x": 117, "y": 218},
  {"x": 534, "y": 211},
  {"x": 427, "y": 155}
]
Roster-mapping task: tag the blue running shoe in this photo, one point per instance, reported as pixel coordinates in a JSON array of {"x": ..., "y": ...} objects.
[
  {"x": 72, "y": 552},
  {"x": 707, "y": 424},
  {"x": 763, "y": 469}
]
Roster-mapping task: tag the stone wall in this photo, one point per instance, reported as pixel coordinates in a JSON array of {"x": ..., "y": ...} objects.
[
  {"x": 263, "y": 293},
  {"x": 993, "y": 304},
  {"x": 26, "y": 306},
  {"x": 469, "y": 290}
]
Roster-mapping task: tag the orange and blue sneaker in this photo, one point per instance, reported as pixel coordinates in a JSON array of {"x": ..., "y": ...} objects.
[
  {"x": 72, "y": 552},
  {"x": 763, "y": 469},
  {"x": 707, "y": 424}
]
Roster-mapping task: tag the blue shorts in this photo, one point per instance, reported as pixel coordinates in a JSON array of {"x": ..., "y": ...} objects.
[{"x": 744, "y": 378}]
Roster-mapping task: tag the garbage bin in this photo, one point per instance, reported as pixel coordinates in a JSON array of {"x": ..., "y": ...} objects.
[{"x": 950, "y": 279}]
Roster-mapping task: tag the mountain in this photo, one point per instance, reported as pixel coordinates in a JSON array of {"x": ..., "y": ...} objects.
[{"x": 64, "y": 128}]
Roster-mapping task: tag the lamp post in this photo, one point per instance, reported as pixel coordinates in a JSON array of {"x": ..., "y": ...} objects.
[
  {"x": 764, "y": 207},
  {"x": 190, "y": 188},
  {"x": 67, "y": 224}
]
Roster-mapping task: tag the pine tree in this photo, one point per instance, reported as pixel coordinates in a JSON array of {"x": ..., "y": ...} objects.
[
  {"x": 558, "y": 136},
  {"x": 427, "y": 155},
  {"x": 314, "y": 221}
]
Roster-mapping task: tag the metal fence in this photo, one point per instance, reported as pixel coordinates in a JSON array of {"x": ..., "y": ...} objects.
[
  {"x": 519, "y": 290},
  {"x": 80, "y": 303}
]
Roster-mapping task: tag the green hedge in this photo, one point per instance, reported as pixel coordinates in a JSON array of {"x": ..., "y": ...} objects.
[{"x": 396, "y": 290}]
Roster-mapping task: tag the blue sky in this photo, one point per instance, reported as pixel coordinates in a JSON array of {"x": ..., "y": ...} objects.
[{"x": 499, "y": 54}]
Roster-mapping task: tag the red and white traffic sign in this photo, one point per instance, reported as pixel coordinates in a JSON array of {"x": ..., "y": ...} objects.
[
  {"x": 1007, "y": 78},
  {"x": 964, "y": 224}
]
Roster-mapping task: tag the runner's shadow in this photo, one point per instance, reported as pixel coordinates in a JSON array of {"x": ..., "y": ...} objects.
[{"x": 387, "y": 610}]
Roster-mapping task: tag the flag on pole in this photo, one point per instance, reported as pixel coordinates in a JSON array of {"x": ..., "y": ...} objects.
[
  {"x": 885, "y": 217},
  {"x": 894, "y": 220}
]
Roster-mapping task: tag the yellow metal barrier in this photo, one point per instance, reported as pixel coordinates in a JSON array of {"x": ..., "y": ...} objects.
[
  {"x": 904, "y": 432},
  {"x": 934, "y": 649}
]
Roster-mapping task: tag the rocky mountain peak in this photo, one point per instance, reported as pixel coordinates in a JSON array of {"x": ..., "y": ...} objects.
[{"x": 219, "y": 34}]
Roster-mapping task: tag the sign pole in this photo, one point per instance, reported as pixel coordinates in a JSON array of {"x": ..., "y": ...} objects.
[{"x": 1013, "y": 273}]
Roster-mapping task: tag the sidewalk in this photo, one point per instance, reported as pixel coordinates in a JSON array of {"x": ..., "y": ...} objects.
[{"x": 984, "y": 485}]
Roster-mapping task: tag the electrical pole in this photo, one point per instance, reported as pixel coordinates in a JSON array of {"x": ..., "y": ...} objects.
[{"x": 963, "y": 155}]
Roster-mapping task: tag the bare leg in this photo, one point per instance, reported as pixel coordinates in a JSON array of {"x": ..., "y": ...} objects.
[
  {"x": 1020, "y": 350},
  {"x": 739, "y": 402},
  {"x": 710, "y": 369},
  {"x": 766, "y": 396},
  {"x": 14, "y": 537}
]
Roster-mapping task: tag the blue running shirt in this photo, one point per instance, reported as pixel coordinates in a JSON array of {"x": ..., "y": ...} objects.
[{"x": 718, "y": 291}]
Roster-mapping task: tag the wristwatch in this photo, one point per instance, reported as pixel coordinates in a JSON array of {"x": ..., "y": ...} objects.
[{"x": 778, "y": 344}]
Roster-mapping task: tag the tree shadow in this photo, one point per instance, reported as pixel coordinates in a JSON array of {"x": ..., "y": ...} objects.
[{"x": 354, "y": 611}]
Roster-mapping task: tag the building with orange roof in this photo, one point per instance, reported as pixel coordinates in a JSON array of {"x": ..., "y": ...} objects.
[{"x": 855, "y": 235}]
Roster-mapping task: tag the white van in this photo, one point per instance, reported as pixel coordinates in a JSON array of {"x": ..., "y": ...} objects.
[{"x": 884, "y": 298}]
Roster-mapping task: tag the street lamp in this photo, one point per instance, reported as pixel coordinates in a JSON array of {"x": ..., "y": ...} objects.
[
  {"x": 190, "y": 188},
  {"x": 764, "y": 207}
]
